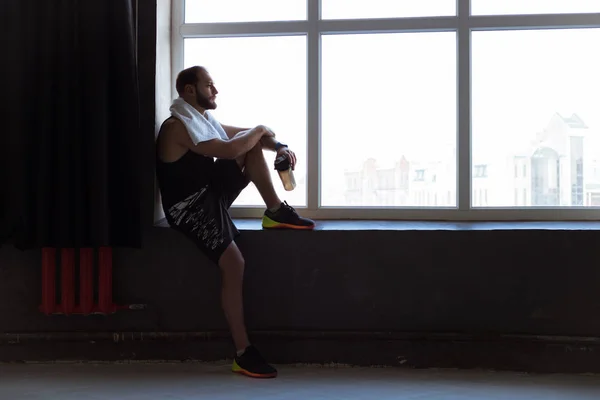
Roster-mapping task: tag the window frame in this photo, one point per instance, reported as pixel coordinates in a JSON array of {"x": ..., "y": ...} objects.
[{"x": 463, "y": 24}]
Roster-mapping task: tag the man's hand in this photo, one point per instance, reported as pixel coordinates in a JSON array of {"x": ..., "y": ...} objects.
[
  {"x": 267, "y": 133},
  {"x": 289, "y": 155},
  {"x": 269, "y": 142}
]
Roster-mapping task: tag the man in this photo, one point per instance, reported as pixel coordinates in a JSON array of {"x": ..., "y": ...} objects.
[{"x": 197, "y": 192}]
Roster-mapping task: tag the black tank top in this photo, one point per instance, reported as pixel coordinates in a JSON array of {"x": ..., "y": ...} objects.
[{"x": 183, "y": 177}]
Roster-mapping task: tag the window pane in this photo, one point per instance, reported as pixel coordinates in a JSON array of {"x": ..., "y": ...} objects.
[
  {"x": 271, "y": 92},
  {"x": 360, "y": 9},
  {"x": 197, "y": 11},
  {"x": 536, "y": 102},
  {"x": 505, "y": 7},
  {"x": 389, "y": 120}
]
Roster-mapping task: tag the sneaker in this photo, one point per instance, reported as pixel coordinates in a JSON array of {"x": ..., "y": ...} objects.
[
  {"x": 252, "y": 364},
  {"x": 286, "y": 218}
]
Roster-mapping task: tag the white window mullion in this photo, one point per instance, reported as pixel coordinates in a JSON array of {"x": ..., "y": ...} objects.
[
  {"x": 534, "y": 21},
  {"x": 388, "y": 25},
  {"x": 313, "y": 107},
  {"x": 464, "y": 107},
  {"x": 177, "y": 45},
  {"x": 233, "y": 29}
]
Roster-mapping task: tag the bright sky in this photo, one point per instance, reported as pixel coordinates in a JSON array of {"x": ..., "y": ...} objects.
[
  {"x": 244, "y": 10},
  {"x": 504, "y": 7},
  {"x": 347, "y": 9},
  {"x": 388, "y": 95},
  {"x": 521, "y": 78}
]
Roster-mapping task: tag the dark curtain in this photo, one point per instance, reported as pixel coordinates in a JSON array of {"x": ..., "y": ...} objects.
[{"x": 70, "y": 160}]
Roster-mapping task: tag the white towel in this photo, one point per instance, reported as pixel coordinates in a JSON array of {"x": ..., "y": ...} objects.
[{"x": 200, "y": 128}]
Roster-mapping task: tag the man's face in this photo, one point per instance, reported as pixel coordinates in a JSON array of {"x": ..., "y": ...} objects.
[{"x": 206, "y": 92}]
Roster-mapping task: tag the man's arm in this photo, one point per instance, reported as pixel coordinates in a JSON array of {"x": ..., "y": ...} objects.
[
  {"x": 226, "y": 149},
  {"x": 267, "y": 142},
  {"x": 231, "y": 131}
]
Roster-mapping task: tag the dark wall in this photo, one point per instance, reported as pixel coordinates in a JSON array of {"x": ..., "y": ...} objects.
[{"x": 532, "y": 282}]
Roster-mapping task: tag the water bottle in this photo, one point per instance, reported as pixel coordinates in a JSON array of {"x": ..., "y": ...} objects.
[{"x": 284, "y": 168}]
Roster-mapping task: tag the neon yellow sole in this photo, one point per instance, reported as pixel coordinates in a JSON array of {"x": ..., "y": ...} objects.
[
  {"x": 235, "y": 367},
  {"x": 239, "y": 370},
  {"x": 268, "y": 223}
]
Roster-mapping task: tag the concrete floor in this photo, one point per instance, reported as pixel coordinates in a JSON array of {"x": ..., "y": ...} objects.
[{"x": 214, "y": 381}]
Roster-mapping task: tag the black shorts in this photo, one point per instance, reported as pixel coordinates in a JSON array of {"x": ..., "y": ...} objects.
[{"x": 204, "y": 216}]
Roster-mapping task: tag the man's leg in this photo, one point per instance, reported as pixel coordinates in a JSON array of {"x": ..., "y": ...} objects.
[
  {"x": 232, "y": 273},
  {"x": 278, "y": 215},
  {"x": 203, "y": 218},
  {"x": 256, "y": 169},
  {"x": 248, "y": 360}
]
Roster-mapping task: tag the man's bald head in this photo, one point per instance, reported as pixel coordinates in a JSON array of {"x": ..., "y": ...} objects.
[
  {"x": 196, "y": 86},
  {"x": 189, "y": 76}
]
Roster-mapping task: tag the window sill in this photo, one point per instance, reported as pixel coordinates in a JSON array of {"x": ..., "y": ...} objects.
[{"x": 253, "y": 224}]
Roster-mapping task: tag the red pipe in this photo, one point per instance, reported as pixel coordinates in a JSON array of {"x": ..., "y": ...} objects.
[
  {"x": 86, "y": 304},
  {"x": 67, "y": 261},
  {"x": 48, "y": 280},
  {"x": 86, "y": 280}
]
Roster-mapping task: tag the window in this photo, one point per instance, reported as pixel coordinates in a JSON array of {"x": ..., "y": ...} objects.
[
  {"x": 395, "y": 110},
  {"x": 360, "y": 9},
  {"x": 419, "y": 175},
  {"x": 480, "y": 171},
  {"x": 529, "y": 97},
  {"x": 198, "y": 11},
  {"x": 521, "y": 165},
  {"x": 411, "y": 109}
]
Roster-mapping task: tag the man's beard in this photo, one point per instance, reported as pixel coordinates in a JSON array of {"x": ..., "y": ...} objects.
[{"x": 204, "y": 101}]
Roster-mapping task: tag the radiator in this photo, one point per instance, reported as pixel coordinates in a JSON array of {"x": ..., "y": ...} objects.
[{"x": 61, "y": 295}]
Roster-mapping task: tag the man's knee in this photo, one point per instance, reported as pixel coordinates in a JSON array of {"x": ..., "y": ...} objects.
[
  {"x": 232, "y": 261},
  {"x": 256, "y": 151}
]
